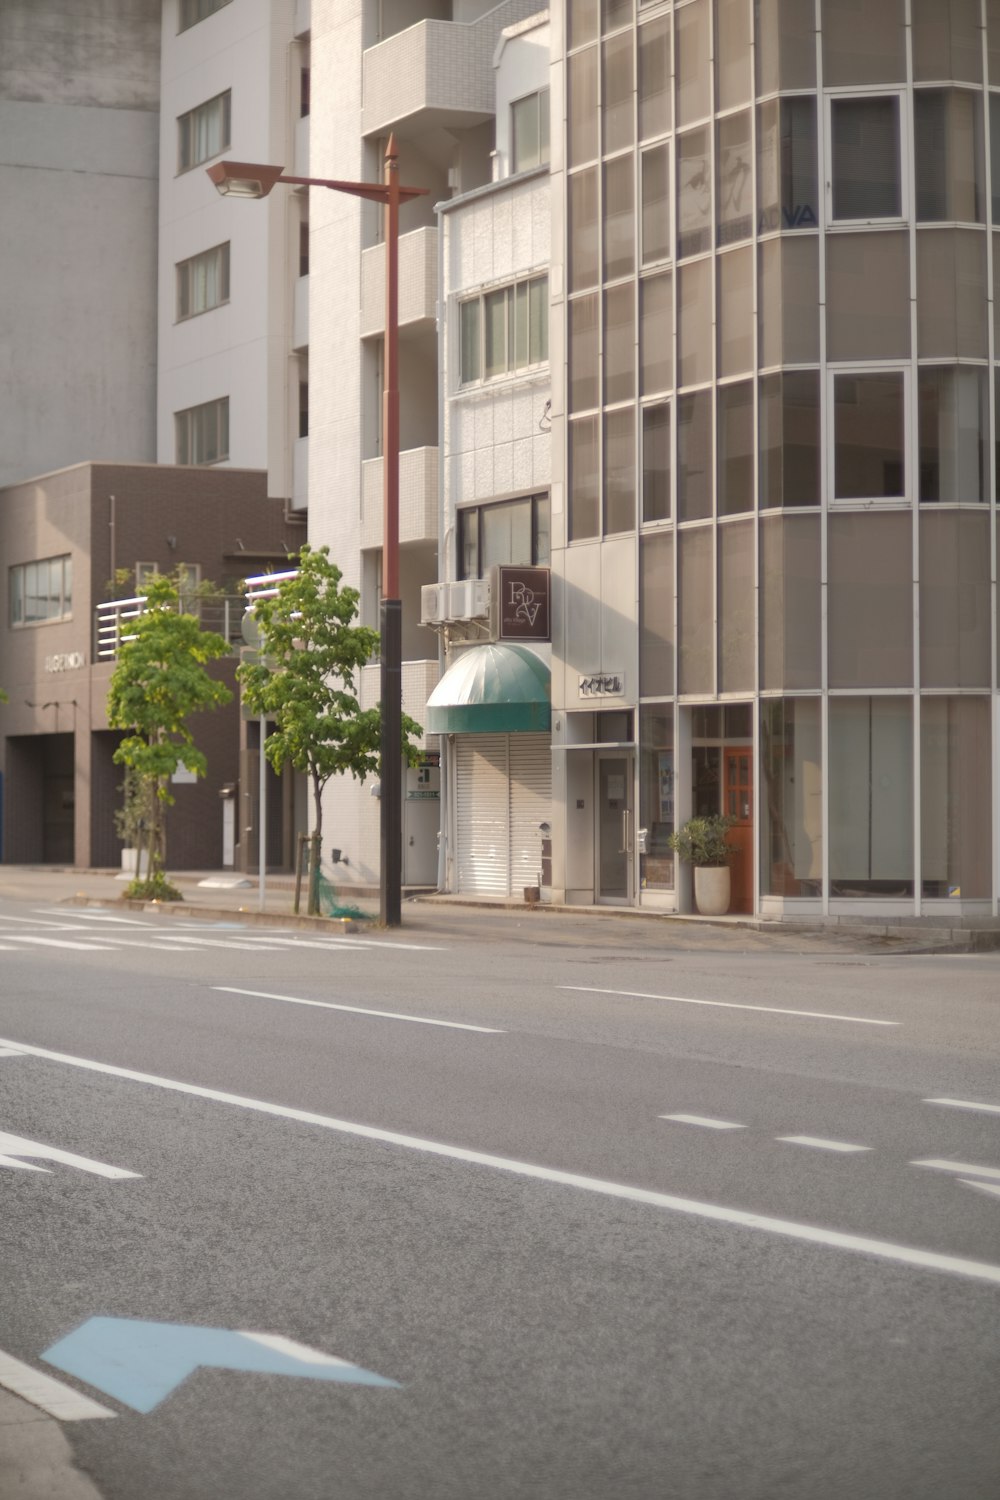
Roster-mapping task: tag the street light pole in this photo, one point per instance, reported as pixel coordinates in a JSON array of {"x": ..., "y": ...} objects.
[
  {"x": 391, "y": 607},
  {"x": 255, "y": 180}
]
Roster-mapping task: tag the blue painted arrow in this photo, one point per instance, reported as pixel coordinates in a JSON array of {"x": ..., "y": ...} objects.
[{"x": 140, "y": 1363}]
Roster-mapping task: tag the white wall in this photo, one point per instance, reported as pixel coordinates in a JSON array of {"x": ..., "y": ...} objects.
[{"x": 241, "y": 350}]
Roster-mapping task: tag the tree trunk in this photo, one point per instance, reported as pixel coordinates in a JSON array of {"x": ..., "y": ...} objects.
[{"x": 315, "y": 848}]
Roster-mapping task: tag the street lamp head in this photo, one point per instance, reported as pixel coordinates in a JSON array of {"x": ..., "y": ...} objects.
[{"x": 244, "y": 179}]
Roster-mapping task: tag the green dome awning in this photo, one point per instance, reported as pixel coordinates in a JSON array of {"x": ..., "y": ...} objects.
[{"x": 494, "y": 689}]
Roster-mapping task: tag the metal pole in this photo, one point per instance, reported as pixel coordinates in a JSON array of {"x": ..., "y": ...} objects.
[
  {"x": 390, "y": 803},
  {"x": 262, "y": 823}
]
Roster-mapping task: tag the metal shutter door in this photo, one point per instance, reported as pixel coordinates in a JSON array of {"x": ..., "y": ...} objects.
[
  {"x": 481, "y": 814},
  {"x": 530, "y": 804}
]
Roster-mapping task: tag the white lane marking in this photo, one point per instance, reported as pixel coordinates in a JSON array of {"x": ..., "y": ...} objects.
[
  {"x": 33, "y": 922},
  {"x": 168, "y": 937},
  {"x": 813, "y": 1015},
  {"x": 15, "y": 1146},
  {"x": 59, "y": 1400},
  {"x": 60, "y": 943},
  {"x": 703, "y": 1120},
  {"x": 943, "y": 1165},
  {"x": 928, "y": 1260},
  {"x": 326, "y": 945},
  {"x": 360, "y": 1010},
  {"x": 94, "y": 916},
  {"x": 986, "y": 1109},
  {"x": 153, "y": 943},
  {"x": 295, "y": 1350},
  {"x": 11, "y": 1052},
  {"x": 984, "y": 1187},
  {"x": 820, "y": 1143}
]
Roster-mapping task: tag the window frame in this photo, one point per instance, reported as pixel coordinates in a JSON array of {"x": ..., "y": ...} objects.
[
  {"x": 904, "y": 163},
  {"x": 511, "y": 367},
  {"x": 186, "y": 123},
  {"x": 868, "y": 502},
  {"x": 190, "y": 12},
  {"x": 544, "y": 139},
  {"x": 187, "y": 271},
  {"x": 464, "y": 512},
  {"x": 185, "y": 423},
  {"x": 17, "y": 619}
]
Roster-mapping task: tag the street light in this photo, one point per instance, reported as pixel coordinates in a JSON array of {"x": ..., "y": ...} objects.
[{"x": 241, "y": 179}]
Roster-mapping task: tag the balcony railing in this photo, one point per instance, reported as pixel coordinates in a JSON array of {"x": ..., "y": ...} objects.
[{"x": 115, "y": 619}]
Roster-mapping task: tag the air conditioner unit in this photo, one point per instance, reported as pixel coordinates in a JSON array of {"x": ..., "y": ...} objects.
[
  {"x": 469, "y": 599},
  {"x": 433, "y": 603}
]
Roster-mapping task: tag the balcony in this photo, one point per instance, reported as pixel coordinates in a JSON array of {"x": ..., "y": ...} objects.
[
  {"x": 417, "y": 285},
  {"x": 436, "y": 73},
  {"x": 114, "y": 620},
  {"x": 419, "y": 681},
  {"x": 418, "y": 498},
  {"x": 300, "y": 474},
  {"x": 300, "y": 314}
]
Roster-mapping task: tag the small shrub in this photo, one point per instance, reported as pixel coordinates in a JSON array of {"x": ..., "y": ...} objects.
[
  {"x": 702, "y": 841},
  {"x": 154, "y": 888}
]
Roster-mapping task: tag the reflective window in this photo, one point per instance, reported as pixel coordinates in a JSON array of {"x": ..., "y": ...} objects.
[
  {"x": 583, "y": 117},
  {"x": 619, "y": 218},
  {"x": 204, "y": 132},
  {"x": 654, "y": 78},
  {"x": 656, "y": 463},
  {"x": 948, "y": 151},
  {"x": 694, "y": 193},
  {"x": 583, "y": 242},
  {"x": 735, "y": 428},
  {"x": 789, "y": 451},
  {"x": 619, "y": 471},
  {"x": 786, "y": 165},
  {"x": 791, "y": 801},
  {"x": 656, "y": 786},
  {"x": 507, "y": 327},
  {"x": 41, "y": 590},
  {"x": 203, "y": 281},
  {"x": 868, "y": 436},
  {"x": 865, "y": 157},
  {"x": 694, "y": 456},
  {"x": 583, "y": 341},
  {"x": 529, "y": 120},
  {"x": 955, "y": 797},
  {"x": 618, "y": 87},
  {"x": 584, "y": 478},
  {"x": 870, "y": 780},
  {"x": 656, "y": 330},
  {"x": 656, "y": 204},
  {"x": 201, "y": 433},
  {"x": 734, "y": 168},
  {"x": 619, "y": 343},
  {"x": 953, "y": 427}
]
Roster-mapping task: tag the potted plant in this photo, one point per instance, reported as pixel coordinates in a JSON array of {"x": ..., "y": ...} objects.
[{"x": 702, "y": 842}]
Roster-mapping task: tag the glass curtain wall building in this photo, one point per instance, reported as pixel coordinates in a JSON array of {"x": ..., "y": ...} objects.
[{"x": 776, "y": 526}]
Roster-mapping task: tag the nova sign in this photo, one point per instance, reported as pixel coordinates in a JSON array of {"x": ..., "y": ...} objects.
[{"x": 524, "y": 604}]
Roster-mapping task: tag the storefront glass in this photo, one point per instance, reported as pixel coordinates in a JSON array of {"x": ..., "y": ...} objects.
[{"x": 656, "y": 796}]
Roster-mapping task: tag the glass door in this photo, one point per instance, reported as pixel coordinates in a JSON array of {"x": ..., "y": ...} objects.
[{"x": 615, "y": 828}]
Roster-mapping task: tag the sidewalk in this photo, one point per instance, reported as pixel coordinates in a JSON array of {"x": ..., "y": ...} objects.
[{"x": 224, "y": 894}]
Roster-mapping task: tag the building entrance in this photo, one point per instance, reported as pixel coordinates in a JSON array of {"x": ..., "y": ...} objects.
[{"x": 615, "y": 828}]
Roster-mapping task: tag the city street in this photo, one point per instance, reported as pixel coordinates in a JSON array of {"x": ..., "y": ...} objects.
[{"x": 594, "y": 1209}]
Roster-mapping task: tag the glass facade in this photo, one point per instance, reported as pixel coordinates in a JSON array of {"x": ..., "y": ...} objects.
[{"x": 810, "y": 478}]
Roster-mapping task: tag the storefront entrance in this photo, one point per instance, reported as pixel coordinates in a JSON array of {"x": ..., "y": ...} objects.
[
  {"x": 615, "y": 828},
  {"x": 722, "y": 782}
]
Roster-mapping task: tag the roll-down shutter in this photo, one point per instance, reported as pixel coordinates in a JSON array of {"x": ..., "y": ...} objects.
[{"x": 503, "y": 792}]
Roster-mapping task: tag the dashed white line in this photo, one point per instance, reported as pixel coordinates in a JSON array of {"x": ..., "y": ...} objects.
[
  {"x": 709, "y": 1124},
  {"x": 360, "y": 1010},
  {"x": 984, "y": 1187},
  {"x": 775, "y": 1010},
  {"x": 49, "y": 1395},
  {"x": 986, "y": 1109},
  {"x": 61, "y": 943},
  {"x": 906, "y": 1255},
  {"x": 943, "y": 1165},
  {"x": 820, "y": 1143}
]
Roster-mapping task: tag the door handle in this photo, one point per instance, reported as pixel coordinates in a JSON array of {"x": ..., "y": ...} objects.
[{"x": 626, "y": 847}]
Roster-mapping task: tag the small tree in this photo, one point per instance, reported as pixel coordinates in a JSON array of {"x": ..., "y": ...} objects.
[
  {"x": 304, "y": 680},
  {"x": 158, "y": 682}
]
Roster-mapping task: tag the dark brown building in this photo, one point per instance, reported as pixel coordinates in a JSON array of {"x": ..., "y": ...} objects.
[{"x": 64, "y": 538}]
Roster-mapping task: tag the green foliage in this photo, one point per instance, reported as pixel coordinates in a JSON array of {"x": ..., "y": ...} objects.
[
  {"x": 3, "y": 696},
  {"x": 304, "y": 680},
  {"x": 155, "y": 887},
  {"x": 702, "y": 841},
  {"x": 158, "y": 682}
]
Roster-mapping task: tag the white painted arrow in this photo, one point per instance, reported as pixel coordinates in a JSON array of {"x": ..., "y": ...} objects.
[
  {"x": 984, "y": 1187},
  {"x": 13, "y": 1147}
]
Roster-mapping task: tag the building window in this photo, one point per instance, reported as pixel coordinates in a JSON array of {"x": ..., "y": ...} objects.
[
  {"x": 203, "y": 282},
  {"x": 303, "y": 408},
  {"x": 869, "y": 435},
  {"x": 304, "y": 248},
  {"x": 514, "y": 531},
  {"x": 204, "y": 132},
  {"x": 953, "y": 428},
  {"x": 305, "y": 86},
  {"x": 529, "y": 129},
  {"x": 865, "y": 172},
  {"x": 202, "y": 433},
  {"x": 504, "y": 330},
  {"x": 193, "y": 11},
  {"x": 41, "y": 591}
]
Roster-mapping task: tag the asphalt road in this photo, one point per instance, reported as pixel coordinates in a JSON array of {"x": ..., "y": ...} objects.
[{"x": 634, "y": 1218}]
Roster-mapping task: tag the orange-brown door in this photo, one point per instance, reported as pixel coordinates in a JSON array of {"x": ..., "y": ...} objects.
[{"x": 738, "y": 795}]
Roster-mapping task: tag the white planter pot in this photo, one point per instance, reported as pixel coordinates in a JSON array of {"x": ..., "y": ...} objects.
[
  {"x": 711, "y": 889},
  {"x": 128, "y": 861}
]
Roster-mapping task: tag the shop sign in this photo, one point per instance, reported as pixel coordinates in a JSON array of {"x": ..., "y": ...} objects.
[
  {"x": 524, "y": 604},
  {"x": 66, "y": 661},
  {"x": 603, "y": 685},
  {"x": 423, "y": 781}
]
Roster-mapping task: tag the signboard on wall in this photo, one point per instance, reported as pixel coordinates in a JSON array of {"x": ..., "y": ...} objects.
[
  {"x": 524, "y": 604},
  {"x": 423, "y": 781}
]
